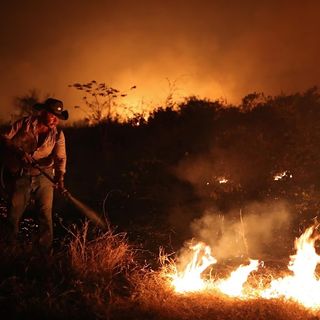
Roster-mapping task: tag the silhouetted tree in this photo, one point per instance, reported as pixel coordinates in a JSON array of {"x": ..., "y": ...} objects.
[
  {"x": 100, "y": 99},
  {"x": 23, "y": 105},
  {"x": 252, "y": 100}
]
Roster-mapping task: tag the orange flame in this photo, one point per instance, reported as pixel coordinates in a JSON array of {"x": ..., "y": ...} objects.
[
  {"x": 190, "y": 279},
  {"x": 303, "y": 286},
  {"x": 234, "y": 284}
]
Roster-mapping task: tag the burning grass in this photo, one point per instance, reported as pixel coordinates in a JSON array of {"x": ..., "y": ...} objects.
[
  {"x": 154, "y": 297},
  {"x": 98, "y": 277},
  {"x": 246, "y": 291}
]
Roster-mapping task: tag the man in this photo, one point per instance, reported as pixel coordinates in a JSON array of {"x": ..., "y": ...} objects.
[{"x": 36, "y": 140}]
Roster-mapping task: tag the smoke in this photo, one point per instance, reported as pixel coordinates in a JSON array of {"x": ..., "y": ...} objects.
[
  {"x": 229, "y": 181},
  {"x": 224, "y": 48},
  {"x": 259, "y": 230}
]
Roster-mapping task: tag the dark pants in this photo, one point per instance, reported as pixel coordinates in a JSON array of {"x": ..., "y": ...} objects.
[{"x": 42, "y": 191}]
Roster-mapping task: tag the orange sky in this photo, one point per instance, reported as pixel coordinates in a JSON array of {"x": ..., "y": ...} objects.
[{"x": 211, "y": 49}]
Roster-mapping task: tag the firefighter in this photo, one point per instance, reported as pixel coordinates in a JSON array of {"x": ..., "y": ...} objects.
[{"x": 35, "y": 140}]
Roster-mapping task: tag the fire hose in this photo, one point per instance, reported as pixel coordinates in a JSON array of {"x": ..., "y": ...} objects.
[
  {"x": 88, "y": 212},
  {"x": 84, "y": 209}
]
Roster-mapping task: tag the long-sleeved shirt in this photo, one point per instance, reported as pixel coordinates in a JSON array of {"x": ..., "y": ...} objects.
[{"x": 49, "y": 152}]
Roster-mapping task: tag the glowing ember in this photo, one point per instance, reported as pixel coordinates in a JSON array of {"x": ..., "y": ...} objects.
[
  {"x": 222, "y": 180},
  {"x": 303, "y": 286},
  {"x": 282, "y": 175},
  {"x": 234, "y": 284},
  {"x": 190, "y": 278}
]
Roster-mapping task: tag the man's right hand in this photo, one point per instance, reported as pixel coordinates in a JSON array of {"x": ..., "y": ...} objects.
[
  {"x": 15, "y": 158},
  {"x": 59, "y": 182},
  {"x": 25, "y": 158}
]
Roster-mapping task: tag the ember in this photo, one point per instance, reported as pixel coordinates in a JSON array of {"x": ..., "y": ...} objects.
[{"x": 281, "y": 175}]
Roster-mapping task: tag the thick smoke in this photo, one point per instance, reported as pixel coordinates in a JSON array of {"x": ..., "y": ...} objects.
[{"x": 259, "y": 230}]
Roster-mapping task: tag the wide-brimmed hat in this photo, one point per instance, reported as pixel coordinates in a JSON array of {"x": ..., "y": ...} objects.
[{"x": 53, "y": 106}]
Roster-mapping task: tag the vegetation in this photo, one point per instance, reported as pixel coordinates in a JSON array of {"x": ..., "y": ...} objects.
[
  {"x": 23, "y": 105},
  {"x": 104, "y": 278},
  {"x": 152, "y": 178},
  {"x": 171, "y": 165},
  {"x": 100, "y": 100}
]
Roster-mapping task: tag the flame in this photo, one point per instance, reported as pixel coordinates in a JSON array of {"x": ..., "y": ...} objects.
[
  {"x": 234, "y": 284},
  {"x": 190, "y": 279},
  {"x": 303, "y": 286}
]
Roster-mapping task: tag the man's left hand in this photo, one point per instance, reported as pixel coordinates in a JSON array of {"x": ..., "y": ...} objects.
[{"x": 59, "y": 183}]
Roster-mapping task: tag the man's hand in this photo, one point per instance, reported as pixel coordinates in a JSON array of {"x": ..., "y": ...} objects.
[
  {"x": 25, "y": 158},
  {"x": 59, "y": 182},
  {"x": 15, "y": 158}
]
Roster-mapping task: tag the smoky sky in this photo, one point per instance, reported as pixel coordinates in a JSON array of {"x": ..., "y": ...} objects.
[{"x": 211, "y": 49}]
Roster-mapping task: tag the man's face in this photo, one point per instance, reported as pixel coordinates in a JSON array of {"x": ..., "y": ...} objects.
[{"x": 49, "y": 119}]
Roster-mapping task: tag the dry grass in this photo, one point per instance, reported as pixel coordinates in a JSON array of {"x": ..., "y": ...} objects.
[
  {"x": 154, "y": 298},
  {"x": 80, "y": 281},
  {"x": 100, "y": 279},
  {"x": 101, "y": 268},
  {"x": 101, "y": 259}
]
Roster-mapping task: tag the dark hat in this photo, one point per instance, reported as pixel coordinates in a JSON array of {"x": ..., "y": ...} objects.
[{"x": 53, "y": 106}]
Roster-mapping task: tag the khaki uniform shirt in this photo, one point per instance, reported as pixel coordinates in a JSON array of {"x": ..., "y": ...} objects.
[{"x": 51, "y": 153}]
